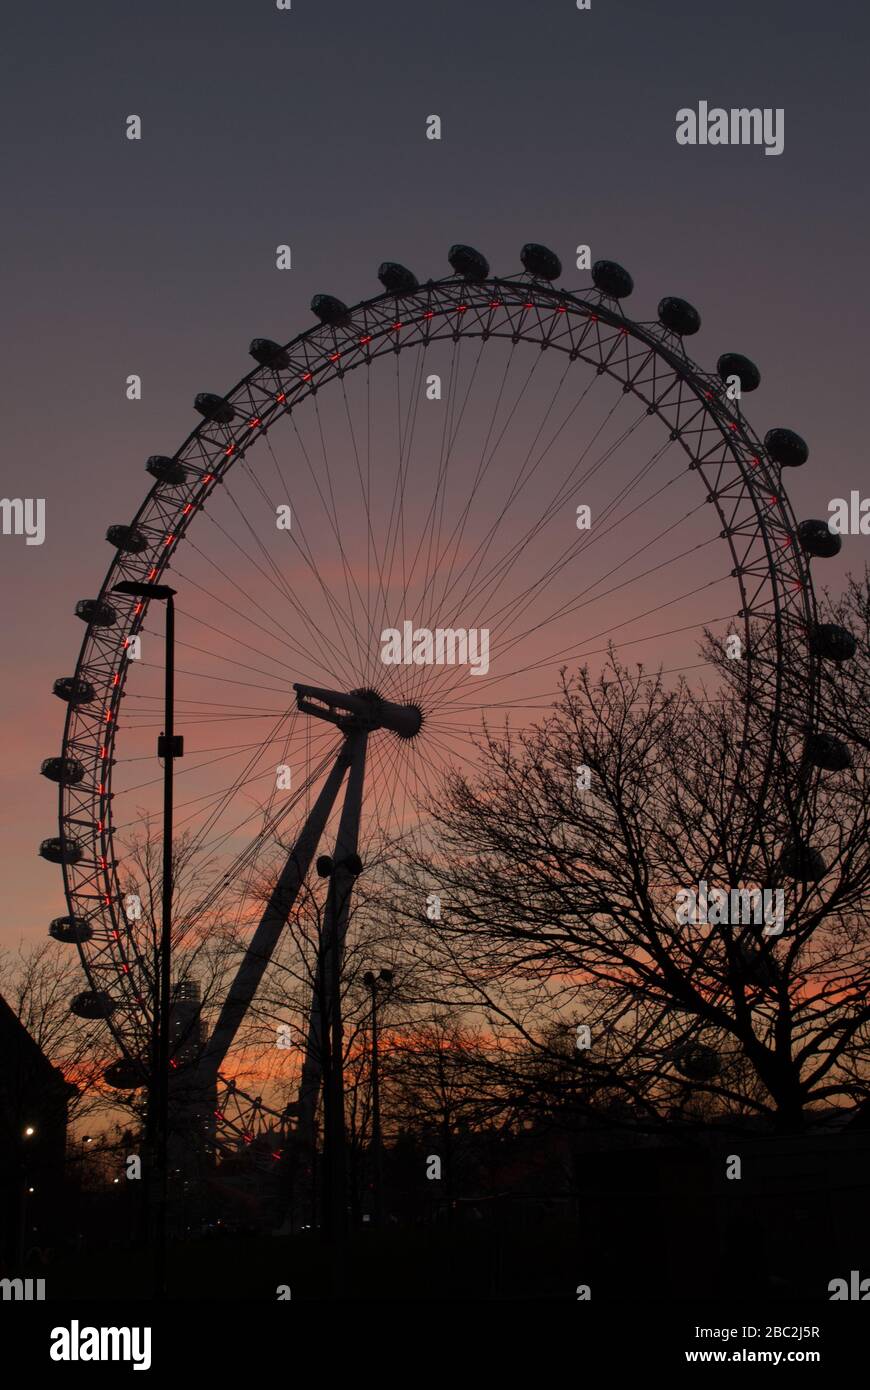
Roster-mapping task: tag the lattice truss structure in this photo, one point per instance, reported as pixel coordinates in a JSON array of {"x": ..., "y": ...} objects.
[{"x": 739, "y": 474}]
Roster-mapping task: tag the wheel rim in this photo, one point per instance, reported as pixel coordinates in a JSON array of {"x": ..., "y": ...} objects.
[{"x": 649, "y": 365}]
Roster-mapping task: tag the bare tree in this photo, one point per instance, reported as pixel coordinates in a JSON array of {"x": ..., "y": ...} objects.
[
  {"x": 563, "y": 866},
  {"x": 38, "y": 981}
]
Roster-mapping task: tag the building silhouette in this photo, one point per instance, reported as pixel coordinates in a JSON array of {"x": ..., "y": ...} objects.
[{"x": 34, "y": 1098}]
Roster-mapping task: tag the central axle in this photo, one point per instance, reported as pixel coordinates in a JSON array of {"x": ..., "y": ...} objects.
[{"x": 360, "y": 710}]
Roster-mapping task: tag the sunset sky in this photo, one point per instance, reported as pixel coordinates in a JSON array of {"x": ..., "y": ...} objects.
[{"x": 157, "y": 257}]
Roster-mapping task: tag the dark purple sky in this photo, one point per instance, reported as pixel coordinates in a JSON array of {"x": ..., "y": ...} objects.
[{"x": 263, "y": 127}]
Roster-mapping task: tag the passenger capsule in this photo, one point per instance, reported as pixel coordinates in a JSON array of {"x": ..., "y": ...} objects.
[
  {"x": 124, "y": 1075},
  {"x": 757, "y": 966},
  {"x": 269, "y": 354},
  {"x": 612, "y": 279},
  {"x": 698, "y": 1062},
  {"x": 679, "y": 316},
  {"x": 540, "y": 261},
  {"x": 817, "y": 538},
  {"x": 73, "y": 690},
  {"x": 96, "y": 612},
  {"x": 70, "y": 929},
  {"x": 166, "y": 470},
  {"x": 800, "y": 861},
  {"x": 324, "y": 865},
  {"x": 734, "y": 364},
  {"x": 468, "y": 263},
  {"x": 832, "y": 642},
  {"x": 397, "y": 278},
  {"x": 127, "y": 538},
  {"x": 92, "y": 1003},
  {"x": 332, "y": 312},
  {"x": 786, "y": 448},
  {"x": 60, "y": 850},
  {"x": 214, "y": 408},
  {"x": 65, "y": 771},
  {"x": 827, "y": 752}
]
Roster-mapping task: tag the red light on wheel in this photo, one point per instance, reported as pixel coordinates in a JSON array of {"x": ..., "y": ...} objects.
[{"x": 366, "y": 339}]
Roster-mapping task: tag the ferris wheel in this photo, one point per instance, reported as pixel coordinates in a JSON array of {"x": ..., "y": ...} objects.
[{"x": 397, "y": 526}]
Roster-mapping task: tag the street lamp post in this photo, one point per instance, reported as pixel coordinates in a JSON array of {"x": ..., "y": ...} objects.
[
  {"x": 346, "y": 865},
  {"x": 385, "y": 977},
  {"x": 169, "y": 747}
]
